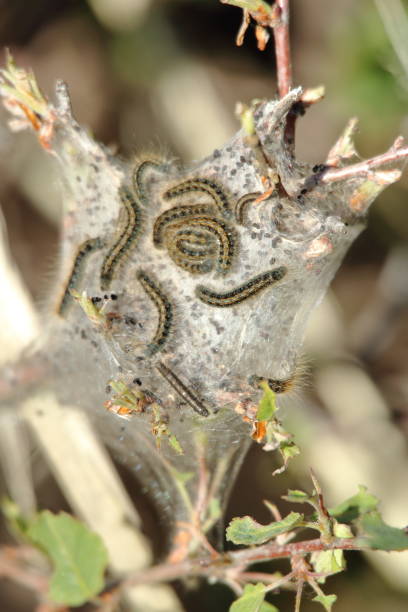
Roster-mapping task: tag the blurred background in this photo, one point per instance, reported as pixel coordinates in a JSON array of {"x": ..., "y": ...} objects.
[{"x": 166, "y": 75}]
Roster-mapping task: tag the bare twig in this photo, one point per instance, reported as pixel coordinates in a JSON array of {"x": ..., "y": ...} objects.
[
  {"x": 202, "y": 490},
  {"x": 394, "y": 154},
  {"x": 282, "y": 49},
  {"x": 276, "y": 18},
  {"x": 274, "y": 551},
  {"x": 299, "y": 591},
  {"x": 222, "y": 567},
  {"x": 16, "y": 563}
]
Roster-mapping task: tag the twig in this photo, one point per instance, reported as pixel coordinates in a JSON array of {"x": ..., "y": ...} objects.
[
  {"x": 299, "y": 591},
  {"x": 199, "y": 507},
  {"x": 15, "y": 565},
  {"x": 365, "y": 167},
  {"x": 281, "y": 582},
  {"x": 165, "y": 572},
  {"x": 274, "y": 551},
  {"x": 257, "y": 577},
  {"x": 221, "y": 567},
  {"x": 282, "y": 49},
  {"x": 276, "y": 18}
]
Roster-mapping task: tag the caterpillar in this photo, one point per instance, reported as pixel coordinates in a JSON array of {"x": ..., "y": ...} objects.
[
  {"x": 142, "y": 166},
  {"x": 220, "y": 239},
  {"x": 203, "y": 185},
  {"x": 191, "y": 250},
  {"x": 181, "y": 228},
  {"x": 241, "y": 206},
  {"x": 85, "y": 249},
  {"x": 243, "y": 292},
  {"x": 177, "y": 213},
  {"x": 275, "y": 384},
  {"x": 164, "y": 309},
  {"x": 126, "y": 240},
  {"x": 183, "y": 391}
]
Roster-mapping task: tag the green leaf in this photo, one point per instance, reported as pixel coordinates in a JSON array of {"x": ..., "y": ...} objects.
[
  {"x": 251, "y": 600},
  {"x": 268, "y": 607},
  {"x": 267, "y": 405},
  {"x": 328, "y": 561},
  {"x": 353, "y": 507},
  {"x": 175, "y": 444},
  {"x": 340, "y": 530},
  {"x": 326, "y": 600},
  {"x": 247, "y": 531},
  {"x": 16, "y": 522},
  {"x": 296, "y": 497},
  {"x": 378, "y": 535},
  {"x": 288, "y": 451},
  {"x": 78, "y": 555}
]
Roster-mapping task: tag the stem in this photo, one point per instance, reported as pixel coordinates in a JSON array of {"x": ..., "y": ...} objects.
[
  {"x": 299, "y": 591},
  {"x": 166, "y": 572},
  {"x": 274, "y": 551},
  {"x": 315, "y": 587},
  {"x": 202, "y": 489},
  {"x": 280, "y": 583},
  {"x": 282, "y": 49},
  {"x": 15, "y": 565},
  {"x": 220, "y": 568},
  {"x": 258, "y": 577},
  {"x": 365, "y": 167}
]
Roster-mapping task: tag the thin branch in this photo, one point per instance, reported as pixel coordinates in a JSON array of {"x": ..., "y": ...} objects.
[
  {"x": 282, "y": 49},
  {"x": 202, "y": 489},
  {"x": 221, "y": 567},
  {"x": 273, "y": 551},
  {"x": 258, "y": 577},
  {"x": 299, "y": 591},
  {"x": 16, "y": 565},
  {"x": 365, "y": 167},
  {"x": 267, "y": 17},
  {"x": 166, "y": 572}
]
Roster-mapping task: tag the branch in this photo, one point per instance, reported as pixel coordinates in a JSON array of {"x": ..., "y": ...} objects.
[
  {"x": 282, "y": 50},
  {"x": 235, "y": 562},
  {"x": 270, "y": 551},
  {"x": 17, "y": 563},
  {"x": 276, "y": 18},
  {"x": 367, "y": 166}
]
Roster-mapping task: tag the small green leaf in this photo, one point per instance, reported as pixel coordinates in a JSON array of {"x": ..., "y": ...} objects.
[
  {"x": 251, "y": 600},
  {"x": 328, "y": 561},
  {"x": 175, "y": 444},
  {"x": 78, "y": 555},
  {"x": 247, "y": 531},
  {"x": 267, "y": 405},
  {"x": 353, "y": 507},
  {"x": 296, "y": 497},
  {"x": 378, "y": 535},
  {"x": 288, "y": 451},
  {"x": 326, "y": 600},
  {"x": 340, "y": 530},
  {"x": 17, "y": 523}
]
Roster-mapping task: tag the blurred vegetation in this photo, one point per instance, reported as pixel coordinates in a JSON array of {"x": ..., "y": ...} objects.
[{"x": 114, "y": 54}]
